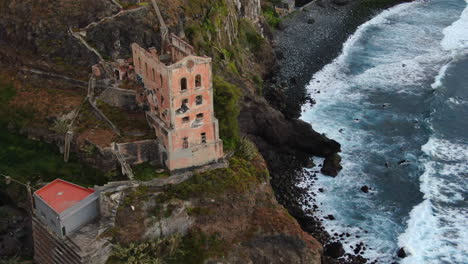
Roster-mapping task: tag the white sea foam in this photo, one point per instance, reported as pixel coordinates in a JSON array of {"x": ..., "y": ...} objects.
[
  {"x": 433, "y": 232},
  {"x": 440, "y": 76},
  {"x": 456, "y": 35},
  {"x": 437, "y": 229}
]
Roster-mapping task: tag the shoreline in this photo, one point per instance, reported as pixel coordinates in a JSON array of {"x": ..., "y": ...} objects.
[
  {"x": 330, "y": 25},
  {"x": 309, "y": 40}
]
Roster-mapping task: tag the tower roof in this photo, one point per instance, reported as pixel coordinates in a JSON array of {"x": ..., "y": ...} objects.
[{"x": 61, "y": 195}]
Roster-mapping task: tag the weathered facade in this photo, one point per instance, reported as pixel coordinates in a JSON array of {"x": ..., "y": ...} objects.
[{"x": 178, "y": 86}]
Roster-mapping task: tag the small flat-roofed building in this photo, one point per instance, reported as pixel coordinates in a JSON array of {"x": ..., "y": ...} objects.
[{"x": 64, "y": 207}]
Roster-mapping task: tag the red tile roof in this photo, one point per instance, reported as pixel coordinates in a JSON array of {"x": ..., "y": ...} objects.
[{"x": 61, "y": 195}]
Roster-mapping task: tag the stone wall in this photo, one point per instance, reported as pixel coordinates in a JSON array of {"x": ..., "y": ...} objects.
[
  {"x": 140, "y": 151},
  {"x": 122, "y": 98}
]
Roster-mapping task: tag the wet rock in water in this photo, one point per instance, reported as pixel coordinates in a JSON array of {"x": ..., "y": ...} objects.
[
  {"x": 365, "y": 189},
  {"x": 401, "y": 253},
  {"x": 334, "y": 250},
  {"x": 357, "y": 249},
  {"x": 401, "y": 162},
  {"x": 331, "y": 165},
  {"x": 320, "y": 190},
  {"x": 310, "y": 164},
  {"x": 341, "y": 2},
  {"x": 310, "y": 21},
  {"x": 330, "y": 217}
]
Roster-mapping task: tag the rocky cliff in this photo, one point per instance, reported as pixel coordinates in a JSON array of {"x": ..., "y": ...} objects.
[
  {"x": 224, "y": 216},
  {"x": 66, "y": 37}
]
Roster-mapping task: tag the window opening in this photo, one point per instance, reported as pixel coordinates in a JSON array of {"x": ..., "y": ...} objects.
[
  {"x": 199, "y": 100},
  {"x": 198, "y": 81},
  {"x": 183, "y": 84},
  {"x": 185, "y": 142}
]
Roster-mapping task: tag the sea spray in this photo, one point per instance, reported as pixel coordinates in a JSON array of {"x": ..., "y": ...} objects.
[{"x": 377, "y": 99}]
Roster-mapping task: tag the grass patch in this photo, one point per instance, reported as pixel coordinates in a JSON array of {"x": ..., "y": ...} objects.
[
  {"x": 193, "y": 248},
  {"x": 27, "y": 160},
  {"x": 146, "y": 172},
  {"x": 239, "y": 177},
  {"x": 272, "y": 18},
  {"x": 121, "y": 118},
  {"x": 9, "y": 115}
]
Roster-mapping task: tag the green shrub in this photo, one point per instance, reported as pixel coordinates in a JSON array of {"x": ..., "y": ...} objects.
[
  {"x": 226, "y": 96},
  {"x": 60, "y": 126},
  {"x": 272, "y": 17},
  {"x": 151, "y": 252},
  {"x": 246, "y": 149}
]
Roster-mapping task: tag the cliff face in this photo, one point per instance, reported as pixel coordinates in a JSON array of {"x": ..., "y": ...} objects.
[
  {"x": 36, "y": 32},
  {"x": 251, "y": 223},
  {"x": 225, "y": 216}
]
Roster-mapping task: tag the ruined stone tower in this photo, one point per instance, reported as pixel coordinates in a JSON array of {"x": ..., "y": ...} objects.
[{"x": 178, "y": 86}]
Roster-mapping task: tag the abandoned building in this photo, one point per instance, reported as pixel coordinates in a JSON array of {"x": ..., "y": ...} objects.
[
  {"x": 64, "y": 207},
  {"x": 61, "y": 210},
  {"x": 179, "y": 91}
]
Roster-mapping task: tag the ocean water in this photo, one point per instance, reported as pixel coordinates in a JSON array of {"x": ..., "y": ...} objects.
[{"x": 397, "y": 101}]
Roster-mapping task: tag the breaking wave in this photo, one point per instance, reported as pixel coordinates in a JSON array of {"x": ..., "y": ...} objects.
[{"x": 384, "y": 99}]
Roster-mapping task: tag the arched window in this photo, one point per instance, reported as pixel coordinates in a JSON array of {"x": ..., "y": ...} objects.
[
  {"x": 146, "y": 68},
  {"x": 198, "y": 81},
  {"x": 183, "y": 84},
  {"x": 161, "y": 80},
  {"x": 154, "y": 75}
]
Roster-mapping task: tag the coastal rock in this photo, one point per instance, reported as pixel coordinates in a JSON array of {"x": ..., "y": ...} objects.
[
  {"x": 401, "y": 253},
  {"x": 365, "y": 189},
  {"x": 341, "y": 2},
  {"x": 331, "y": 165},
  {"x": 334, "y": 250},
  {"x": 310, "y": 164}
]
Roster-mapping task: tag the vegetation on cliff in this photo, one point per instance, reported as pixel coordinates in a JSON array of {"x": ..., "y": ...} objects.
[{"x": 229, "y": 211}]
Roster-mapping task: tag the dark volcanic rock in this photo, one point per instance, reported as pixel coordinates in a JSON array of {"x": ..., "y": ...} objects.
[
  {"x": 401, "y": 253},
  {"x": 341, "y": 2},
  {"x": 365, "y": 189},
  {"x": 334, "y": 250},
  {"x": 114, "y": 37},
  {"x": 331, "y": 165},
  {"x": 286, "y": 135}
]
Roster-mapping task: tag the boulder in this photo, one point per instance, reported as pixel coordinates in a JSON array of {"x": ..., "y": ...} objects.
[
  {"x": 331, "y": 165},
  {"x": 401, "y": 253},
  {"x": 334, "y": 250},
  {"x": 365, "y": 189}
]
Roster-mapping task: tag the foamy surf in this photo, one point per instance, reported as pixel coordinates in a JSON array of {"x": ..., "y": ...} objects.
[
  {"x": 437, "y": 229},
  {"x": 375, "y": 99}
]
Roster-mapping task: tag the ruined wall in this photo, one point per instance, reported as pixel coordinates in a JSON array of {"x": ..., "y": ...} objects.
[
  {"x": 140, "y": 151},
  {"x": 122, "y": 98}
]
